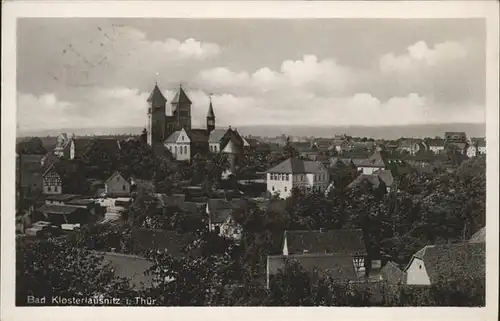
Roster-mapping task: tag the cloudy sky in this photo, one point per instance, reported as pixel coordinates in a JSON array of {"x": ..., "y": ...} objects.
[{"x": 83, "y": 73}]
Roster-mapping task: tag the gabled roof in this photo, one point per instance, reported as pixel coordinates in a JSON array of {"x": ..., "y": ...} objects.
[
  {"x": 297, "y": 166},
  {"x": 340, "y": 268},
  {"x": 340, "y": 242},
  {"x": 216, "y": 135},
  {"x": 479, "y": 236},
  {"x": 82, "y": 145},
  {"x": 180, "y": 97},
  {"x": 171, "y": 241},
  {"x": 197, "y": 135},
  {"x": 172, "y": 138},
  {"x": 377, "y": 159},
  {"x": 392, "y": 273},
  {"x": 448, "y": 261},
  {"x": 372, "y": 179},
  {"x": 156, "y": 97},
  {"x": 116, "y": 173},
  {"x": 385, "y": 176},
  {"x": 221, "y": 209}
]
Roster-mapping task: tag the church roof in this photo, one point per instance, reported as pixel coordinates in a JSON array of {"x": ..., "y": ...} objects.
[
  {"x": 181, "y": 97},
  {"x": 173, "y": 137},
  {"x": 217, "y": 134},
  {"x": 197, "y": 135},
  {"x": 210, "y": 110},
  {"x": 156, "y": 97}
]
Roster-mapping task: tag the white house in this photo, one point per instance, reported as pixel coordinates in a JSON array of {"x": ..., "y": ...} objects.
[
  {"x": 118, "y": 185},
  {"x": 373, "y": 163},
  {"x": 435, "y": 145},
  {"x": 294, "y": 172},
  {"x": 481, "y": 145},
  {"x": 440, "y": 263}
]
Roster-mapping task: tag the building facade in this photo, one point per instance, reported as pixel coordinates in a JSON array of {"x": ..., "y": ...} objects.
[
  {"x": 52, "y": 182},
  {"x": 297, "y": 173}
]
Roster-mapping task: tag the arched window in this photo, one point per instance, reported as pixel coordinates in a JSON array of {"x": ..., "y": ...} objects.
[
  {"x": 175, "y": 149},
  {"x": 185, "y": 150}
]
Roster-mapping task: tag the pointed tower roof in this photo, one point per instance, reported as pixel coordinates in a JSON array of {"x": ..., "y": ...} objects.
[
  {"x": 156, "y": 97},
  {"x": 211, "y": 110},
  {"x": 181, "y": 97}
]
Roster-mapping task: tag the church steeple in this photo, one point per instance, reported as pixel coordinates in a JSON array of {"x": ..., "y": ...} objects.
[
  {"x": 156, "y": 116},
  {"x": 210, "y": 117}
]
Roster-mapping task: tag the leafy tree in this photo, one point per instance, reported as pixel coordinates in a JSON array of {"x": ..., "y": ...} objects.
[
  {"x": 51, "y": 268},
  {"x": 33, "y": 146}
]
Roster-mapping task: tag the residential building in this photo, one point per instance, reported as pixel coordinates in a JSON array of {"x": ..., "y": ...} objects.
[
  {"x": 118, "y": 185},
  {"x": 341, "y": 242},
  {"x": 220, "y": 219},
  {"x": 392, "y": 274},
  {"x": 455, "y": 136},
  {"x": 294, "y": 172},
  {"x": 377, "y": 161},
  {"x": 440, "y": 263},
  {"x": 52, "y": 181},
  {"x": 435, "y": 145},
  {"x": 411, "y": 146},
  {"x": 62, "y": 148},
  {"x": 338, "y": 267},
  {"x": 481, "y": 145}
]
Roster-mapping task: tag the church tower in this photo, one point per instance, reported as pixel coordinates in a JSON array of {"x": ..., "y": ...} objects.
[
  {"x": 210, "y": 117},
  {"x": 181, "y": 110},
  {"x": 156, "y": 116}
]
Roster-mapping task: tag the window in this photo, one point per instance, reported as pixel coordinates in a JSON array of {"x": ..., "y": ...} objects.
[
  {"x": 49, "y": 189},
  {"x": 182, "y": 137},
  {"x": 118, "y": 179},
  {"x": 176, "y": 149},
  {"x": 180, "y": 149},
  {"x": 285, "y": 189},
  {"x": 185, "y": 150},
  {"x": 273, "y": 188},
  {"x": 55, "y": 188},
  {"x": 124, "y": 187}
]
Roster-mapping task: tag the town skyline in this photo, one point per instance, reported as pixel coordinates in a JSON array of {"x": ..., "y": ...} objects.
[{"x": 99, "y": 72}]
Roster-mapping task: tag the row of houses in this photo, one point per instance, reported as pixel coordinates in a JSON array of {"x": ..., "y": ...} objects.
[{"x": 338, "y": 254}]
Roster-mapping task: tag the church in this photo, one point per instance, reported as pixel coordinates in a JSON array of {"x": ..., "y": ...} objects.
[{"x": 173, "y": 130}]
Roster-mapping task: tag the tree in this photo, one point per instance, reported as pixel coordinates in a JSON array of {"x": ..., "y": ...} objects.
[
  {"x": 51, "y": 268},
  {"x": 33, "y": 146}
]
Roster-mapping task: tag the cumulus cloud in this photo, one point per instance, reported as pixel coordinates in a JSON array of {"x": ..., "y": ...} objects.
[
  {"x": 420, "y": 55},
  {"x": 305, "y": 75}
]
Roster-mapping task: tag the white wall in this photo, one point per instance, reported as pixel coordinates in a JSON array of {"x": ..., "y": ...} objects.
[
  {"x": 175, "y": 149},
  {"x": 214, "y": 147},
  {"x": 417, "y": 274},
  {"x": 482, "y": 150},
  {"x": 471, "y": 151},
  {"x": 369, "y": 170},
  {"x": 284, "y": 187},
  {"x": 436, "y": 149}
]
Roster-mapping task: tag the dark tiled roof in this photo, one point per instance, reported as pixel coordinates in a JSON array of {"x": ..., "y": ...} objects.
[
  {"x": 181, "y": 97},
  {"x": 216, "y": 135},
  {"x": 392, "y": 273},
  {"x": 479, "y": 236},
  {"x": 435, "y": 142},
  {"x": 449, "y": 261},
  {"x": 171, "y": 241},
  {"x": 197, "y": 135},
  {"x": 338, "y": 267},
  {"x": 156, "y": 97},
  {"x": 131, "y": 267},
  {"x": 385, "y": 176},
  {"x": 190, "y": 207},
  {"x": 370, "y": 178},
  {"x": 296, "y": 166},
  {"x": 344, "y": 242},
  {"x": 221, "y": 209},
  {"x": 377, "y": 159},
  {"x": 170, "y": 200},
  {"x": 57, "y": 209},
  {"x": 83, "y": 145},
  {"x": 62, "y": 197}
]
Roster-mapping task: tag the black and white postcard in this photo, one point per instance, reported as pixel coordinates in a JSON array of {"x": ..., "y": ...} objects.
[{"x": 161, "y": 156}]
